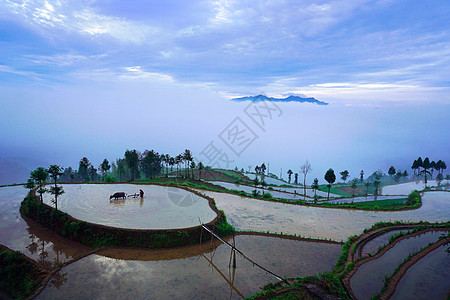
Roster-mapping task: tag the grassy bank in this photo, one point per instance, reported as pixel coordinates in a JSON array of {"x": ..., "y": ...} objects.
[{"x": 18, "y": 277}]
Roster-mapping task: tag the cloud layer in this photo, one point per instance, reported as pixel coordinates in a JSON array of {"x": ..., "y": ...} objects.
[{"x": 336, "y": 50}]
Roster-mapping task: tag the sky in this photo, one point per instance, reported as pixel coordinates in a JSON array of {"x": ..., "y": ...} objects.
[{"x": 94, "y": 78}]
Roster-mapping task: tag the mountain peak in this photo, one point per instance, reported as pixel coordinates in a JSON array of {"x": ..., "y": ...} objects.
[{"x": 291, "y": 98}]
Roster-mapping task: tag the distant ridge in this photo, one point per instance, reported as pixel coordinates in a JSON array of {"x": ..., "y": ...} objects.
[{"x": 291, "y": 98}]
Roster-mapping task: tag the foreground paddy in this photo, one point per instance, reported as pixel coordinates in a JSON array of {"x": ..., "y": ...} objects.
[{"x": 162, "y": 208}]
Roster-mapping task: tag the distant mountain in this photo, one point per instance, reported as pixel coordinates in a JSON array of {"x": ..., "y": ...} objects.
[{"x": 291, "y": 98}]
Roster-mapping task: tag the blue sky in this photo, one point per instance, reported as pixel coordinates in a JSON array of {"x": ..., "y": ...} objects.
[{"x": 90, "y": 63}]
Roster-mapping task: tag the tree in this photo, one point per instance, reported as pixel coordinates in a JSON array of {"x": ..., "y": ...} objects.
[
  {"x": 263, "y": 168},
  {"x": 315, "y": 186},
  {"x": 121, "y": 165},
  {"x": 104, "y": 167},
  {"x": 83, "y": 168},
  {"x": 405, "y": 174},
  {"x": 289, "y": 172},
  {"x": 192, "y": 168},
  {"x": 187, "y": 156},
  {"x": 40, "y": 175},
  {"x": 30, "y": 184},
  {"x": 305, "y": 169},
  {"x": 361, "y": 175},
  {"x": 439, "y": 178},
  {"x": 256, "y": 181},
  {"x": 419, "y": 164},
  {"x": 344, "y": 175},
  {"x": 200, "y": 168},
  {"x": 426, "y": 165},
  {"x": 132, "y": 160},
  {"x": 398, "y": 175},
  {"x": 391, "y": 171},
  {"x": 414, "y": 167},
  {"x": 353, "y": 186},
  {"x": 367, "y": 184},
  {"x": 443, "y": 166},
  {"x": 432, "y": 167},
  {"x": 296, "y": 178},
  {"x": 377, "y": 181},
  {"x": 92, "y": 173},
  {"x": 330, "y": 177},
  {"x": 55, "y": 172}
]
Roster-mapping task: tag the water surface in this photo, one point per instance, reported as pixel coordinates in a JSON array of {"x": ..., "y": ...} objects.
[
  {"x": 193, "y": 277},
  {"x": 369, "y": 278},
  {"x": 317, "y": 222},
  {"x": 162, "y": 208},
  {"x": 429, "y": 278}
]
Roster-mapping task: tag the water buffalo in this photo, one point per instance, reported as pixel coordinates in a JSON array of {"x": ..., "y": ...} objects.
[{"x": 118, "y": 195}]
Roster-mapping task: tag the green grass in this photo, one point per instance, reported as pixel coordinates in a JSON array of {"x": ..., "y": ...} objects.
[
  {"x": 18, "y": 277},
  {"x": 386, "y": 202}
]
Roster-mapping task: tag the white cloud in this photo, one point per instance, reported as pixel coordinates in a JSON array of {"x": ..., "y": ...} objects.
[{"x": 70, "y": 17}]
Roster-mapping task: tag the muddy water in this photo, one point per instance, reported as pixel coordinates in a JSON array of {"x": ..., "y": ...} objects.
[
  {"x": 162, "y": 207},
  {"x": 192, "y": 277},
  {"x": 406, "y": 188},
  {"x": 373, "y": 245},
  {"x": 429, "y": 278},
  {"x": 28, "y": 237},
  {"x": 369, "y": 278},
  {"x": 336, "y": 224}
]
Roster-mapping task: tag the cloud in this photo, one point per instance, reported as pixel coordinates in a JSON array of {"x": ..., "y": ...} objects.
[{"x": 47, "y": 16}]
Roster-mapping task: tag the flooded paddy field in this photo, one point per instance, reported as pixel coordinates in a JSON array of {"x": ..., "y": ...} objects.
[
  {"x": 318, "y": 222},
  {"x": 204, "y": 275},
  {"x": 372, "y": 246},
  {"x": 162, "y": 208},
  {"x": 369, "y": 278},
  {"x": 429, "y": 278},
  {"x": 33, "y": 240},
  {"x": 406, "y": 188}
]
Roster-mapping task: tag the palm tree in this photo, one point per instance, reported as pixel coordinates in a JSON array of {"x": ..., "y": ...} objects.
[
  {"x": 330, "y": 177},
  {"x": 187, "y": 156}
]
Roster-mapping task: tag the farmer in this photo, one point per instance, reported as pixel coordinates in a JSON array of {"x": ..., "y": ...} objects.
[{"x": 141, "y": 193}]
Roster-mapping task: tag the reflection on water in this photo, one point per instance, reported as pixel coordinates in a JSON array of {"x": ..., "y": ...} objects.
[
  {"x": 162, "y": 207},
  {"x": 373, "y": 245},
  {"x": 426, "y": 279},
  {"x": 193, "y": 277},
  {"x": 369, "y": 278},
  {"x": 316, "y": 222},
  {"x": 36, "y": 242}
]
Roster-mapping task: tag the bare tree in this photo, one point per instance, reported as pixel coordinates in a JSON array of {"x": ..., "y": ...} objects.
[{"x": 305, "y": 169}]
